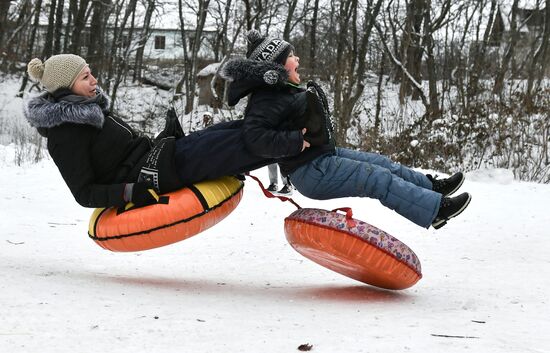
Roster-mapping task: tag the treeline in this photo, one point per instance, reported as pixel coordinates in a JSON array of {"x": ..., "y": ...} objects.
[{"x": 476, "y": 67}]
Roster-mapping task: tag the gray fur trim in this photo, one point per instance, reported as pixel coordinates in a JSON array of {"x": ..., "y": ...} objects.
[
  {"x": 44, "y": 112},
  {"x": 239, "y": 69}
]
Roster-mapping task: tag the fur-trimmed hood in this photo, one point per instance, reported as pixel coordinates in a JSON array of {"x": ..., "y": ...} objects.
[
  {"x": 247, "y": 75},
  {"x": 45, "y": 111}
]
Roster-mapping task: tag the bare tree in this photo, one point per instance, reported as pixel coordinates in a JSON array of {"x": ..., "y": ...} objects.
[
  {"x": 253, "y": 10},
  {"x": 17, "y": 37},
  {"x": 288, "y": 23},
  {"x": 478, "y": 55},
  {"x": 355, "y": 27},
  {"x": 189, "y": 78},
  {"x": 432, "y": 24},
  {"x": 30, "y": 47},
  {"x": 121, "y": 47},
  {"x": 539, "y": 61},
  {"x": 96, "y": 47},
  {"x": 313, "y": 38},
  {"x": 510, "y": 50},
  {"x": 80, "y": 16},
  {"x": 144, "y": 35},
  {"x": 4, "y": 10},
  {"x": 48, "y": 41},
  {"x": 411, "y": 48},
  {"x": 58, "y": 27}
]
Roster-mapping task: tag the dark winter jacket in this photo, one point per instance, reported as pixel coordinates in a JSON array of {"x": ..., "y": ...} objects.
[
  {"x": 96, "y": 152},
  {"x": 275, "y": 115}
]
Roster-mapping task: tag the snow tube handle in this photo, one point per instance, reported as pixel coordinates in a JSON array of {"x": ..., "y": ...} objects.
[
  {"x": 349, "y": 215},
  {"x": 347, "y": 210}
]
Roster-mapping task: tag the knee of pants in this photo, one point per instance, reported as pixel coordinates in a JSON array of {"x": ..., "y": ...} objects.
[
  {"x": 377, "y": 183},
  {"x": 307, "y": 185}
]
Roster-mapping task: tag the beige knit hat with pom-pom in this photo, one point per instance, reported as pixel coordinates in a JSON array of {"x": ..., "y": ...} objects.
[{"x": 59, "y": 71}]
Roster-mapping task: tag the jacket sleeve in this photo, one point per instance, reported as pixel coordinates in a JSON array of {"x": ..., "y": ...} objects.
[
  {"x": 261, "y": 131},
  {"x": 232, "y": 124},
  {"x": 69, "y": 147}
]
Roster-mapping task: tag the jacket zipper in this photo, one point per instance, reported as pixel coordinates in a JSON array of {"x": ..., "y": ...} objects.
[{"x": 124, "y": 127}]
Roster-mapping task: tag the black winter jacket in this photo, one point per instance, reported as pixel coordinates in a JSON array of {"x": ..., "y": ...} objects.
[
  {"x": 274, "y": 116},
  {"x": 96, "y": 152}
]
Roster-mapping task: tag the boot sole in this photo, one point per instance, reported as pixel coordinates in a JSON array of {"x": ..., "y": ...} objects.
[
  {"x": 276, "y": 193},
  {"x": 438, "y": 223},
  {"x": 457, "y": 187}
]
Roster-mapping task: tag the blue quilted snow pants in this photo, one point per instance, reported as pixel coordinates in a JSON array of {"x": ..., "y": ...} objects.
[{"x": 347, "y": 173}]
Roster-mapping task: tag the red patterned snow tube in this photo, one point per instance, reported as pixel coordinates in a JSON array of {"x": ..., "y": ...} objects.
[{"x": 353, "y": 248}]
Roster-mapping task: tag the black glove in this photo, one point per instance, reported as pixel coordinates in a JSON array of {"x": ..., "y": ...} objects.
[
  {"x": 172, "y": 126},
  {"x": 143, "y": 195},
  {"x": 317, "y": 117}
]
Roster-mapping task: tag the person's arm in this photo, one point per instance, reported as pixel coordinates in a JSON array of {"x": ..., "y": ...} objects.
[
  {"x": 69, "y": 147},
  {"x": 260, "y": 129},
  {"x": 232, "y": 124}
]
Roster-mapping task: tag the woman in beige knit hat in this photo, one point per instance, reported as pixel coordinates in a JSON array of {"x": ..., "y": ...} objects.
[
  {"x": 59, "y": 71},
  {"x": 103, "y": 161}
]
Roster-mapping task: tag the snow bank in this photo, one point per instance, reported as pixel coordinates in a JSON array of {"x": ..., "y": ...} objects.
[{"x": 240, "y": 287}]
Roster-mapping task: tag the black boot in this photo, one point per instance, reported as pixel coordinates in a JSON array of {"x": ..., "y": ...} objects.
[
  {"x": 272, "y": 187},
  {"x": 447, "y": 186},
  {"x": 286, "y": 190},
  {"x": 451, "y": 207}
]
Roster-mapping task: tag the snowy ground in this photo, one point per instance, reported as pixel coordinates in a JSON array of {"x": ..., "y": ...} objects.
[{"x": 240, "y": 287}]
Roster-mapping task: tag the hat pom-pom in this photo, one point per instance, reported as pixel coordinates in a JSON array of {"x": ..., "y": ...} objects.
[
  {"x": 35, "y": 68},
  {"x": 253, "y": 36}
]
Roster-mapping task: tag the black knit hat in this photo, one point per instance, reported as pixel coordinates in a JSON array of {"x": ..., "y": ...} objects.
[{"x": 263, "y": 48}]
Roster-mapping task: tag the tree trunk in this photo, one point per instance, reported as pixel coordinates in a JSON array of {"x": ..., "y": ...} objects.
[
  {"x": 4, "y": 10},
  {"x": 30, "y": 48},
  {"x": 539, "y": 62},
  {"x": 346, "y": 10},
  {"x": 378, "y": 109},
  {"x": 119, "y": 51},
  {"x": 411, "y": 49},
  {"x": 351, "y": 68},
  {"x": 248, "y": 14},
  {"x": 78, "y": 27},
  {"x": 191, "y": 62},
  {"x": 288, "y": 23},
  {"x": 504, "y": 67},
  {"x": 478, "y": 59},
  {"x": 8, "y": 52},
  {"x": 220, "y": 43},
  {"x": 313, "y": 39},
  {"x": 58, "y": 26},
  {"x": 73, "y": 9},
  {"x": 48, "y": 41},
  {"x": 120, "y": 67},
  {"x": 151, "y": 5},
  {"x": 178, "y": 92},
  {"x": 433, "y": 108},
  {"x": 96, "y": 47}
]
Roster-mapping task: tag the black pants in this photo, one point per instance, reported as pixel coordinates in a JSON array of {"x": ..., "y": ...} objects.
[{"x": 212, "y": 153}]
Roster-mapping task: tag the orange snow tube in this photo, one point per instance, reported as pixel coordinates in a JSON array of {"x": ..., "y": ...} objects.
[
  {"x": 180, "y": 215},
  {"x": 353, "y": 248}
]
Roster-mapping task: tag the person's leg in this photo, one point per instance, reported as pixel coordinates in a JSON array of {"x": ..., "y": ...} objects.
[
  {"x": 273, "y": 176},
  {"x": 285, "y": 179},
  {"x": 273, "y": 173},
  {"x": 287, "y": 188},
  {"x": 210, "y": 154},
  {"x": 384, "y": 162},
  {"x": 332, "y": 176}
]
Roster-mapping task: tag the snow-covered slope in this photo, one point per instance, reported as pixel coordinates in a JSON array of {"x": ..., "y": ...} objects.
[{"x": 240, "y": 287}]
